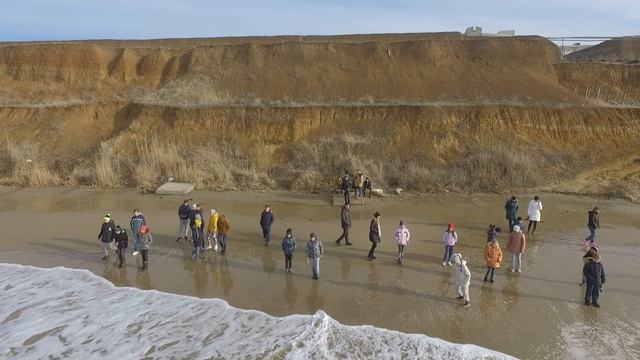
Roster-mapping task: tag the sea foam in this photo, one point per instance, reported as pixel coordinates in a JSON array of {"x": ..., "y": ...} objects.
[{"x": 74, "y": 314}]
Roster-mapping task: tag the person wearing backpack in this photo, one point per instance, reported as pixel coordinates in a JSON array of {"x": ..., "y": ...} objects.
[
  {"x": 122, "y": 241},
  {"x": 196, "y": 235},
  {"x": 106, "y": 235},
  {"x": 511, "y": 211},
  {"x": 288, "y": 247},
  {"x": 137, "y": 220}
]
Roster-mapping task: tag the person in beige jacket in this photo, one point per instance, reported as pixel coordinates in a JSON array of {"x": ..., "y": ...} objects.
[{"x": 516, "y": 245}]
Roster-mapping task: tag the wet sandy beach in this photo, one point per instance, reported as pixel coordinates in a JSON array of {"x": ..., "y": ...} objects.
[{"x": 536, "y": 314}]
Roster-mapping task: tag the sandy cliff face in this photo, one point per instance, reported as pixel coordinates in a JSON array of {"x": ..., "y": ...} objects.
[{"x": 419, "y": 111}]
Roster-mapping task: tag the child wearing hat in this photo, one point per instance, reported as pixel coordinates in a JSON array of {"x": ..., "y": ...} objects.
[
  {"x": 450, "y": 238},
  {"x": 591, "y": 250},
  {"x": 288, "y": 247},
  {"x": 122, "y": 241},
  {"x": 593, "y": 271},
  {"x": 463, "y": 279}
]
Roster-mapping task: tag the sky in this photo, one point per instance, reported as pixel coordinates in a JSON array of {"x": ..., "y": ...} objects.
[{"x": 22, "y": 20}]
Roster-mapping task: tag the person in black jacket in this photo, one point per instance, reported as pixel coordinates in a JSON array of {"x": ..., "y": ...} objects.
[
  {"x": 346, "y": 185},
  {"x": 367, "y": 186},
  {"x": 594, "y": 273},
  {"x": 374, "y": 234},
  {"x": 107, "y": 235},
  {"x": 122, "y": 240},
  {"x": 511, "y": 212},
  {"x": 593, "y": 224},
  {"x": 266, "y": 220},
  {"x": 183, "y": 215},
  {"x": 345, "y": 220}
]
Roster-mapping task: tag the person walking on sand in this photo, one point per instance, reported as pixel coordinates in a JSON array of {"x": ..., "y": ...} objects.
[
  {"x": 266, "y": 220},
  {"x": 511, "y": 210},
  {"x": 593, "y": 271},
  {"x": 223, "y": 233},
  {"x": 450, "y": 238},
  {"x": 591, "y": 250},
  {"x": 367, "y": 186},
  {"x": 212, "y": 230},
  {"x": 106, "y": 235},
  {"x": 122, "y": 241},
  {"x": 374, "y": 235},
  {"x": 493, "y": 257},
  {"x": 593, "y": 224},
  {"x": 516, "y": 244},
  {"x": 402, "y": 236},
  {"x": 346, "y": 183},
  {"x": 184, "y": 211},
  {"x": 146, "y": 239},
  {"x": 533, "y": 212},
  {"x": 137, "y": 220},
  {"x": 196, "y": 235},
  {"x": 288, "y": 247},
  {"x": 463, "y": 279},
  {"x": 314, "y": 252},
  {"x": 345, "y": 221}
]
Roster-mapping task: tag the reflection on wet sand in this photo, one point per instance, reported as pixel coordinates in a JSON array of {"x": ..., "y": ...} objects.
[{"x": 533, "y": 314}]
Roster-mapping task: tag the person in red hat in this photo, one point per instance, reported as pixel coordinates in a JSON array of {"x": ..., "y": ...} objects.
[{"x": 450, "y": 238}]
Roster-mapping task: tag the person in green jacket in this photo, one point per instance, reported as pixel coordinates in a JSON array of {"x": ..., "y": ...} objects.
[{"x": 288, "y": 247}]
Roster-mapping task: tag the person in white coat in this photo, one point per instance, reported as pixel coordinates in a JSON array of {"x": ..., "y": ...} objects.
[
  {"x": 463, "y": 279},
  {"x": 535, "y": 207}
]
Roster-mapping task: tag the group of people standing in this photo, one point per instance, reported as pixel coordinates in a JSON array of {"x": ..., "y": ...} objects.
[
  {"x": 192, "y": 229},
  {"x": 358, "y": 183}
]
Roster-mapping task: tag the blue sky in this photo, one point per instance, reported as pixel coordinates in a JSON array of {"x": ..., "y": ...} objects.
[{"x": 143, "y": 19}]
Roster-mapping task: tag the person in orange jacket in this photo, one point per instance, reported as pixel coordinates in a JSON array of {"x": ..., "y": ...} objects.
[{"x": 493, "y": 257}]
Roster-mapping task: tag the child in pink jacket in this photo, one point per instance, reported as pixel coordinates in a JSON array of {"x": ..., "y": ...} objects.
[
  {"x": 402, "y": 235},
  {"x": 450, "y": 238}
]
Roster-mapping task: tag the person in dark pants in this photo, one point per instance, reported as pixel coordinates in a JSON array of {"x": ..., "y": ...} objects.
[
  {"x": 593, "y": 224},
  {"x": 183, "y": 215},
  {"x": 594, "y": 272},
  {"x": 588, "y": 256},
  {"x": 367, "y": 186},
  {"x": 346, "y": 183},
  {"x": 197, "y": 236},
  {"x": 223, "y": 233},
  {"x": 122, "y": 240},
  {"x": 511, "y": 210},
  {"x": 288, "y": 247},
  {"x": 147, "y": 239},
  {"x": 374, "y": 234},
  {"x": 137, "y": 220},
  {"x": 266, "y": 220},
  {"x": 345, "y": 220},
  {"x": 107, "y": 235}
]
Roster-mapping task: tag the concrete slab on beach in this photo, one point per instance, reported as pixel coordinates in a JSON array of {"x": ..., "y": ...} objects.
[{"x": 174, "y": 188}]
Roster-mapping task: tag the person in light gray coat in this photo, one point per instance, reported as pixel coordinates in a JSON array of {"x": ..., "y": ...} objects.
[
  {"x": 315, "y": 250},
  {"x": 345, "y": 220}
]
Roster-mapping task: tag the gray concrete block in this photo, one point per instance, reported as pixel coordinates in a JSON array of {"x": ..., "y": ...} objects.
[{"x": 174, "y": 188}]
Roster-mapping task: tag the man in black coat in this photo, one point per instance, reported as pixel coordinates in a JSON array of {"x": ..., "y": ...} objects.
[
  {"x": 345, "y": 220},
  {"x": 266, "y": 220},
  {"x": 107, "y": 235}
]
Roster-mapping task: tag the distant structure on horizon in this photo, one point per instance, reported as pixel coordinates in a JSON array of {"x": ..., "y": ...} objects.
[{"x": 477, "y": 31}]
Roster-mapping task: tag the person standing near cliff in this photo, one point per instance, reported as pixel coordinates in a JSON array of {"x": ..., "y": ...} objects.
[
  {"x": 359, "y": 185},
  {"x": 533, "y": 212},
  {"x": 511, "y": 210},
  {"x": 374, "y": 235},
  {"x": 266, "y": 220},
  {"x": 183, "y": 220},
  {"x": 593, "y": 224},
  {"x": 367, "y": 186},
  {"x": 346, "y": 183},
  {"x": 345, "y": 221},
  {"x": 137, "y": 220}
]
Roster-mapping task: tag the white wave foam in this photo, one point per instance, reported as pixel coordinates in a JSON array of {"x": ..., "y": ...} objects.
[{"x": 75, "y": 314}]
